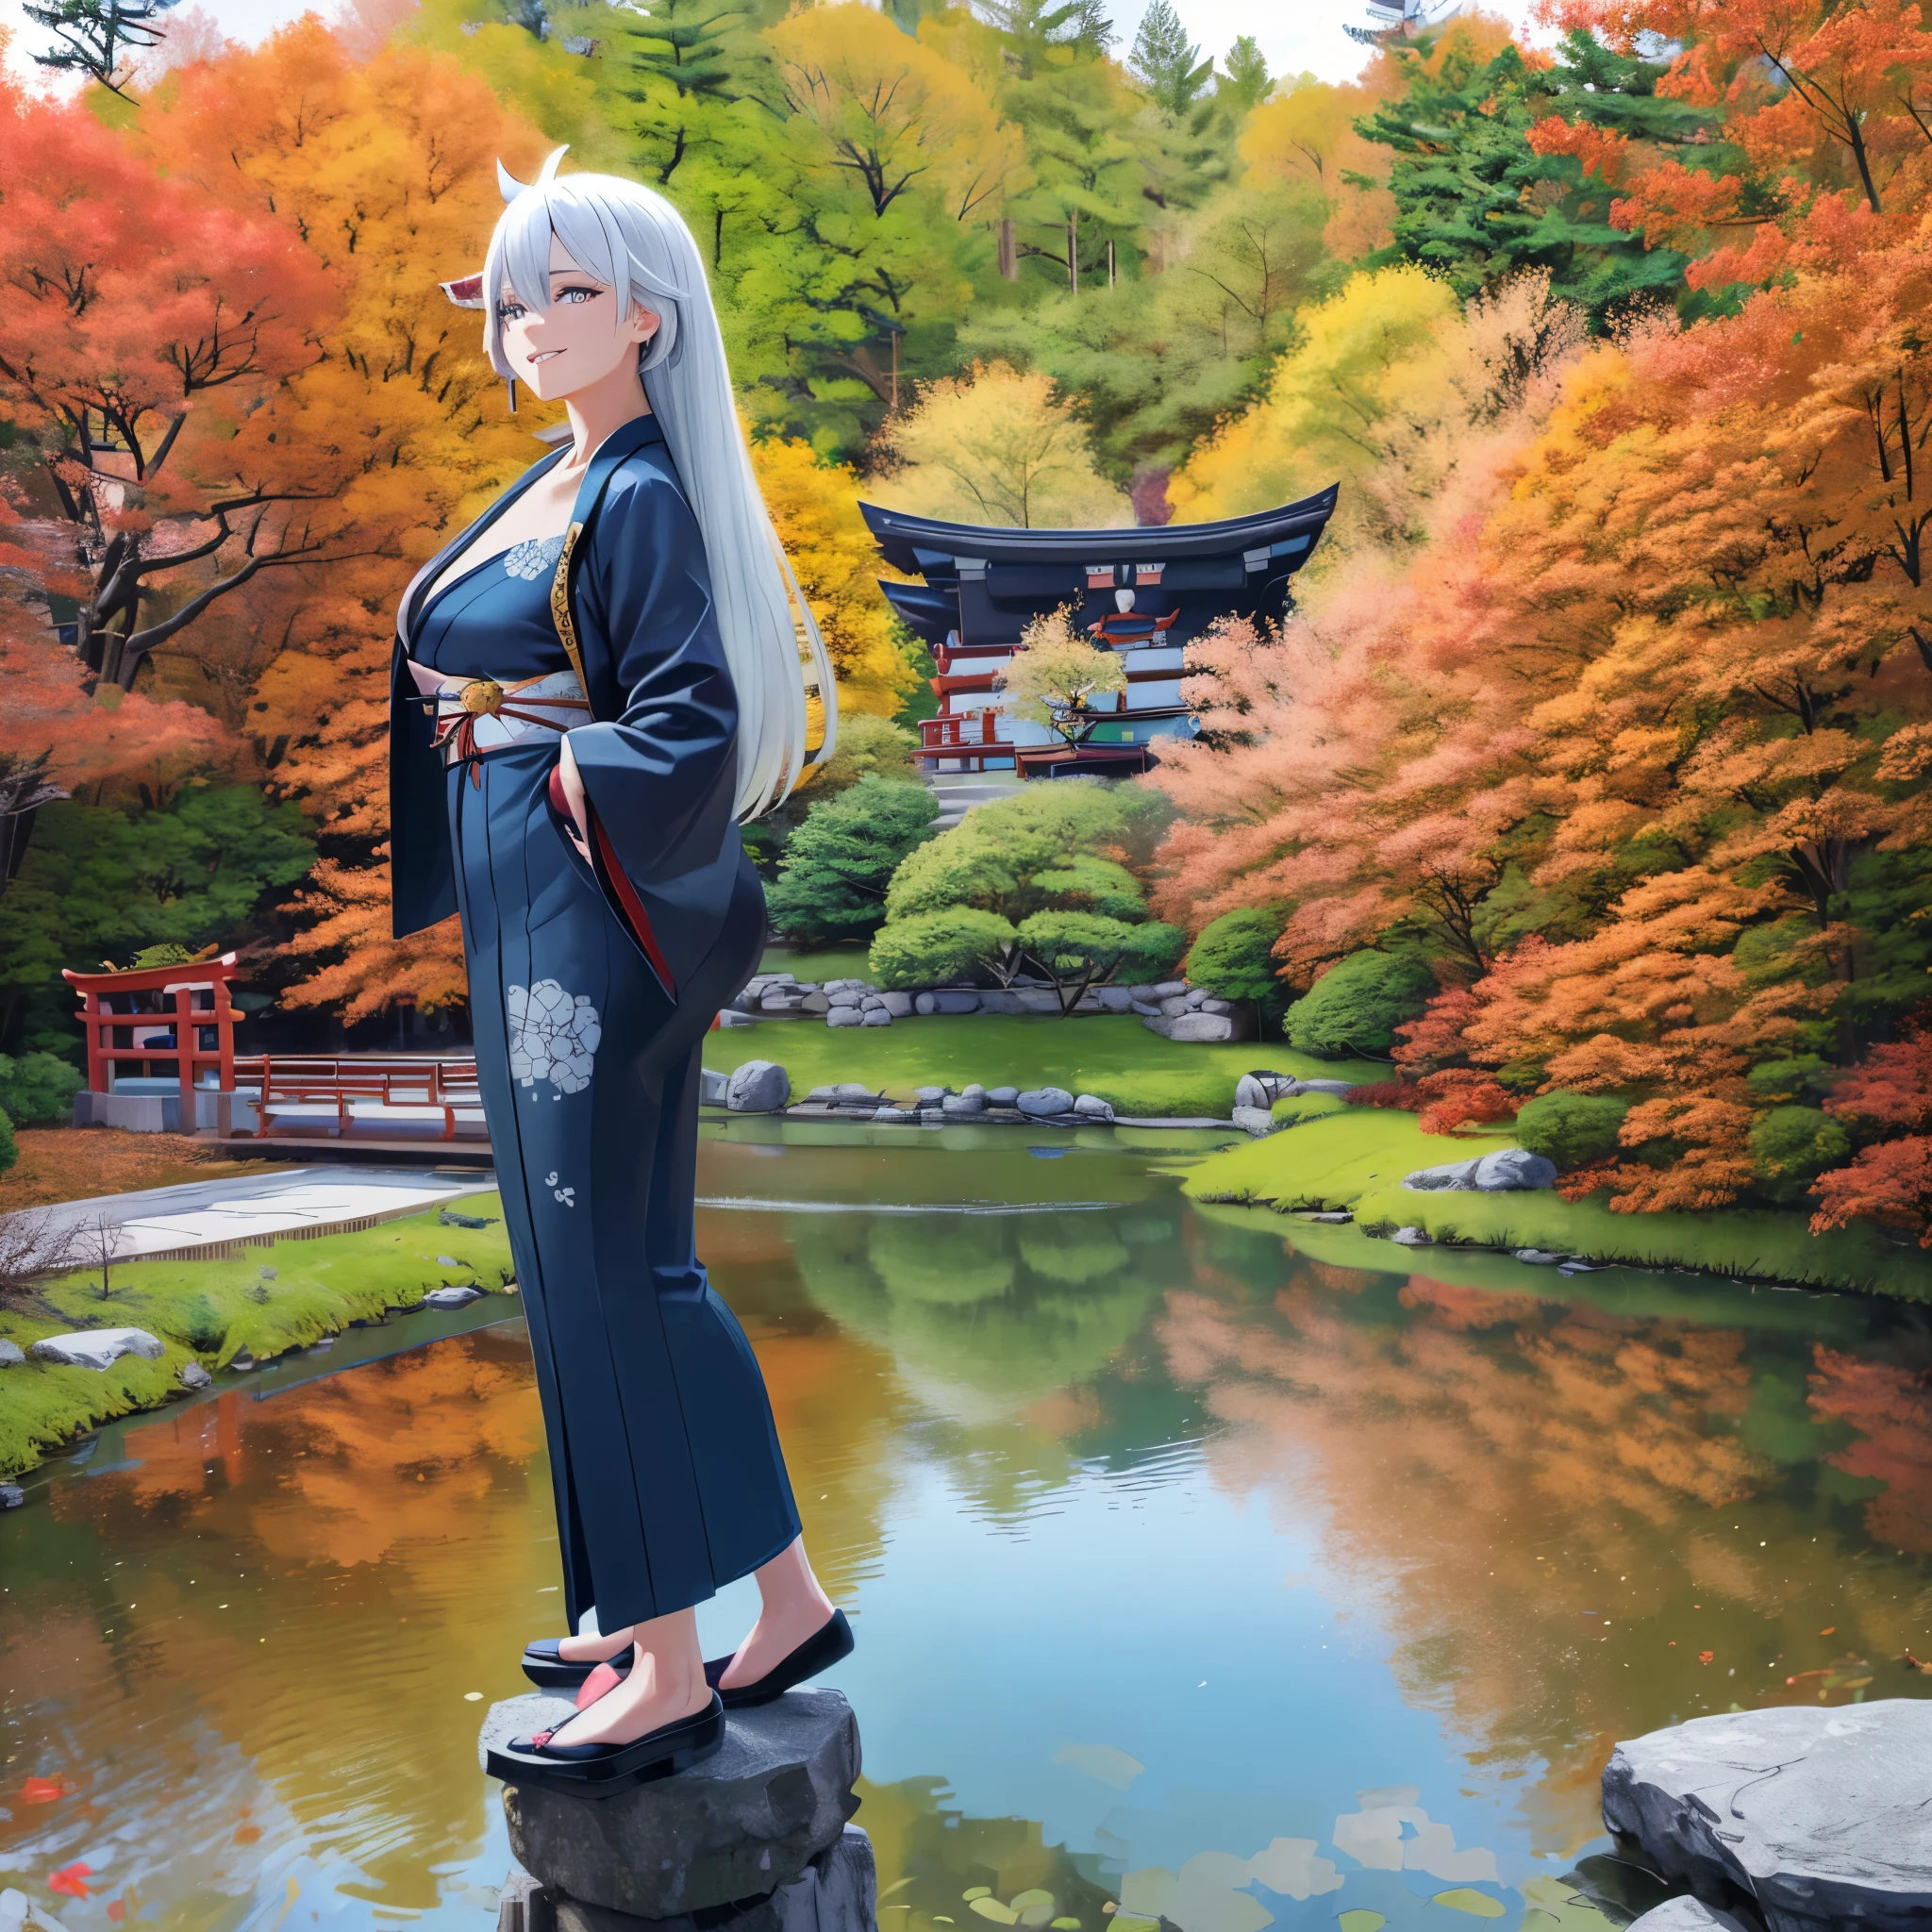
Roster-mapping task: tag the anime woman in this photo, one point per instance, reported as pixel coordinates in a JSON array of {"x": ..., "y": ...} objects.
[{"x": 592, "y": 685}]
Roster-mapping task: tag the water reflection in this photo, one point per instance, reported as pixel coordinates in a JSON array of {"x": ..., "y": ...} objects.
[{"x": 1222, "y": 1583}]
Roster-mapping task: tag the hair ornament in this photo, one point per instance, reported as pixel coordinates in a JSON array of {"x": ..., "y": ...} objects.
[{"x": 510, "y": 186}]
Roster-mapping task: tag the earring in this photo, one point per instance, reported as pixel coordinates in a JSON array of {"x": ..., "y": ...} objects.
[{"x": 511, "y": 384}]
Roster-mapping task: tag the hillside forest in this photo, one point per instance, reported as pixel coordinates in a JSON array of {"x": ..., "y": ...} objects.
[{"x": 1589, "y": 774}]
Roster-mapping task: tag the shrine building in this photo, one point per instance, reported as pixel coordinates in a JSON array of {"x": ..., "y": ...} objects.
[{"x": 1141, "y": 591}]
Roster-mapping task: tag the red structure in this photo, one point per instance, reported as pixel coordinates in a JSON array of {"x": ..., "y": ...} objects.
[{"x": 171, "y": 1014}]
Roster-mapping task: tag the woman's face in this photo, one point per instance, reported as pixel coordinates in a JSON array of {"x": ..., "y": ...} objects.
[{"x": 578, "y": 341}]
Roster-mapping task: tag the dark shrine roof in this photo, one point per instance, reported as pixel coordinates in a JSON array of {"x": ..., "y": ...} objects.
[{"x": 919, "y": 543}]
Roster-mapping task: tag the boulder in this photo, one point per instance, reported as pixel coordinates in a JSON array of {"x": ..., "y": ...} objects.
[
  {"x": 932, "y": 1116},
  {"x": 757, "y": 1087},
  {"x": 1686, "y": 1915},
  {"x": 854, "y": 1093},
  {"x": 897, "y": 1004},
  {"x": 1205, "y": 1028},
  {"x": 447, "y": 1298},
  {"x": 193, "y": 1376},
  {"x": 782, "y": 1000},
  {"x": 924, "y": 1002},
  {"x": 876, "y": 1016},
  {"x": 837, "y": 1893},
  {"x": 972, "y": 1091},
  {"x": 930, "y": 1096},
  {"x": 1508, "y": 1170},
  {"x": 844, "y": 996},
  {"x": 1342, "y": 1086},
  {"x": 822, "y": 1096},
  {"x": 816, "y": 1004},
  {"x": 1092, "y": 1108},
  {"x": 731, "y": 1017},
  {"x": 1262, "y": 1087},
  {"x": 872, "y": 1003},
  {"x": 1001, "y": 1000},
  {"x": 897, "y": 1116},
  {"x": 1045, "y": 1101},
  {"x": 1039, "y": 999},
  {"x": 1537, "y": 1257},
  {"x": 97, "y": 1348},
  {"x": 956, "y": 1104},
  {"x": 1224, "y": 1008},
  {"x": 1143, "y": 1010},
  {"x": 1334, "y": 1217},
  {"x": 1197, "y": 997},
  {"x": 11, "y": 1495},
  {"x": 1167, "y": 989},
  {"x": 1257, "y": 1120},
  {"x": 1411, "y": 1237},
  {"x": 1817, "y": 1815},
  {"x": 843, "y": 1016},
  {"x": 1172, "y": 1006},
  {"x": 751, "y": 1818},
  {"x": 954, "y": 1000},
  {"x": 11, "y": 1354},
  {"x": 1114, "y": 999},
  {"x": 1003, "y": 1096}
]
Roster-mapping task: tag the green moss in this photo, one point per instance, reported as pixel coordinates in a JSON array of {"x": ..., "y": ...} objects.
[
  {"x": 1137, "y": 1071},
  {"x": 208, "y": 1311},
  {"x": 1356, "y": 1159}
]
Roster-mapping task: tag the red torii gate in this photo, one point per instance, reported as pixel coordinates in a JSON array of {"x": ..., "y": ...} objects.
[{"x": 180, "y": 1003}]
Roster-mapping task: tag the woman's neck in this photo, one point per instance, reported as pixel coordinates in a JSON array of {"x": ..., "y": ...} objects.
[{"x": 600, "y": 409}]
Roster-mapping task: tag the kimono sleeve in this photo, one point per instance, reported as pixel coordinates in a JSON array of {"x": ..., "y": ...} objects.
[{"x": 661, "y": 776}]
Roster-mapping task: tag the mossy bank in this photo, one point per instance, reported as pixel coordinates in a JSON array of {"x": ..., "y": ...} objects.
[
  {"x": 1356, "y": 1160},
  {"x": 265, "y": 1301}
]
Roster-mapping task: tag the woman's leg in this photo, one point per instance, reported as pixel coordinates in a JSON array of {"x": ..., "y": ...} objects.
[
  {"x": 795, "y": 1606},
  {"x": 666, "y": 1683}
]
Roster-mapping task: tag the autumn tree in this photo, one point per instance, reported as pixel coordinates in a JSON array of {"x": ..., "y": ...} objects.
[{"x": 1055, "y": 678}]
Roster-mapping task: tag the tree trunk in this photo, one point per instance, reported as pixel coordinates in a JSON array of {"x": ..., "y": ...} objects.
[
  {"x": 1010, "y": 252},
  {"x": 1073, "y": 251}
]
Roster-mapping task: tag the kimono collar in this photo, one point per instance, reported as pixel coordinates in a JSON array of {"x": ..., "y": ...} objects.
[{"x": 621, "y": 442}]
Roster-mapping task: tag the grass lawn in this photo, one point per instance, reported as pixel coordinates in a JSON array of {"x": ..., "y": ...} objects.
[
  {"x": 1138, "y": 1071},
  {"x": 830, "y": 962},
  {"x": 1356, "y": 1159},
  {"x": 76, "y": 1163},
  {"x": 209, "y": 1311}
]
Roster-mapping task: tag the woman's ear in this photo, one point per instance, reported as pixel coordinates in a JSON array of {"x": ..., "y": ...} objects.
[{"x": 643, "y": 322}]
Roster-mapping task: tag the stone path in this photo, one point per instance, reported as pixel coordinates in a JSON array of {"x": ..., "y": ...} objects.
[{"x": 167, "y": 1221}]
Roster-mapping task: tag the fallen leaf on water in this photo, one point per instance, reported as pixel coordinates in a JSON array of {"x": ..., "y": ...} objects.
[
  {"x": 1829, "y": 1630},
  {"x": 247, "y": 1834},
  {"x": 71, "y": 1880},
  {"x": 1478, "y": 1904},
  {"x": 117, "y": 1910},
  {"x": 42, "y": 1790},
  {"x": 1704, "y": 1657}
]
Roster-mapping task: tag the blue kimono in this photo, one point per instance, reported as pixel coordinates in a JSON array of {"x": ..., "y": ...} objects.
[{"x": 591, "y": 986}]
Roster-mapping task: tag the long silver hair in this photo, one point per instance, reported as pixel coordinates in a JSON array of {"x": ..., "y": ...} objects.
[{"x": 635, "y": 244}]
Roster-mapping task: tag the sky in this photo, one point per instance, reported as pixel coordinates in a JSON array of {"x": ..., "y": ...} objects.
[{"x": 1297, "y": 36}]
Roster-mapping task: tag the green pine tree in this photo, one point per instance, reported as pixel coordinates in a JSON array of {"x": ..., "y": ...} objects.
[
  {"x": 1246, "y": 81},
  {"x": 1166, "y": 62}
]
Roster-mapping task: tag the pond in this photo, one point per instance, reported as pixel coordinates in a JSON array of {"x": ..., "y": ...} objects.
[{"x": 1191, "y": 1569}]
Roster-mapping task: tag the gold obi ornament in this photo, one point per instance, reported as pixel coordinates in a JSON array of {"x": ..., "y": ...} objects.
[{"x": 482, "y": 697}]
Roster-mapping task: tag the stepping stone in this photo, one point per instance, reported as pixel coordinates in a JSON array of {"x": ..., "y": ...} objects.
[
  {"x": 748, "y": 1820},
  {"x": 97, "y": 1348}
]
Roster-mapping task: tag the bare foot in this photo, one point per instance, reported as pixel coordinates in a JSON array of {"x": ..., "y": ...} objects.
[
  {"x": 659, "y": 1691},
  {"x": 795, "y": 1607},
  {"x": 594, "y": 1650}
]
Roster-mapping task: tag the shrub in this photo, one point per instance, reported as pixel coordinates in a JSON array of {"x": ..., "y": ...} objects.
[
  {"x": 931, "y": 948},
  {"x": 1790, "y": 1146},
  {"x": 1573, "y": 1129},
  {"x": 832, "y": 878},
  {"x": 1401, "y": 1095},
  {"x": 1234, "y": 958},
  {"x": 1805, "y": 1079},
  {"x": 1292, "y": 1109},
  {"x": 1355, "y": 1007},
  {"x": 9, "y": 1153},
  {"x": 38, "y": 1087}
]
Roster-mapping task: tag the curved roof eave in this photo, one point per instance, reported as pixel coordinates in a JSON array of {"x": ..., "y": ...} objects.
[{"x": 900, "y": 535}]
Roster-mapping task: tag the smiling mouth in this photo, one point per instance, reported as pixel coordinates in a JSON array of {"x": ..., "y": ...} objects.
[{"x": 544, "y": 355}]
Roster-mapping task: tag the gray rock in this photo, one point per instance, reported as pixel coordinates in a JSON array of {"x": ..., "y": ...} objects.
[
  {"x": 321, "y": 1347},
  {"x": 97, "y": 1348},
  {"x": 924, "y": 1003},
  {"x": 1001, "y": 1000},
  {"x": 1291, "y": 1087},
  {"x": 816, "y": 1004},
  {"x": 1093, "y": 1108},
  {"x": 897, "y": 1004},
  {"x": 837, "y": 1893},
  {"x": 850, "y": 1092},
  {"x": 844, "y": 1016},
  {"x": 932, "y": 1116},
  {"x": 1334, "y": 1217},
  {"x": 1197, "y": 997},
  {"x": 245, "y": 1364},
  {"x": 729, "y": 1016},
  {"x": 1003, "y": 1096},
  {"x": 781, "y": 1000},
  {"x": 1038, "y": 1000},
  {"x": 1114, "y": 999},
  {"x": 757, "y": 1087},
  {"x": 1537, "y": 1257},
  {"x": 1144, "y": 1011},
  {"x": 930, "y": 1096},
  {"x": 972, "y": 1091},
  {"x": 845, "y": 997},
  {"x": 447, "y": 1298},
  {"x": 1505, "y": 1172},
  {"x": 11, "y": 1354},
  {"x": 1224, "y": 1008},
  {"x": 1140, "y": 990},
  {"x": 822, "y": 1096},
  {"x": 897, "y": 1116},
  {"x": 1044, "y": 1101},
  {"x": 1257, "y": 1120},
  {"x": 450, "y": 1262},
  {"x": 193, "y": 1376},
  {"x": 1817, "y": 1815},
  {"x": 872, "y": 1003},
  {"x": 1167, "y": 989},
  {"x": 747, "y": 1820},
  {"x": 1173, "y": 1006},
  {"x": 877, "y": 1016},
  {"x": 954, "y": 1000},
  {"x": 1686, "y": 1915},
  {"x": 1260, "y": 1088},
  {"x": 11, "y": 1495},
  {"x": 955, "y": 1105},
  {"x": 1411, "y": 1237},
  {"x": 1203, "y": 1028}
]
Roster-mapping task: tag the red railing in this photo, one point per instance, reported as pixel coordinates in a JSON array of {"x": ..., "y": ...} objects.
[{"x": 440, "y": 1086}]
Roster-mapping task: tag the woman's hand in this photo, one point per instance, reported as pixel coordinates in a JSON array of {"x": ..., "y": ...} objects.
[{"x": 572, "y": 782}]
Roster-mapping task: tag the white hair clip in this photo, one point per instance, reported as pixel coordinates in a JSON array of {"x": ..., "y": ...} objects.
[{"x": 511, "y": 186}]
